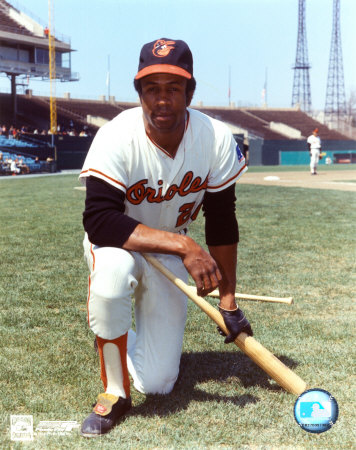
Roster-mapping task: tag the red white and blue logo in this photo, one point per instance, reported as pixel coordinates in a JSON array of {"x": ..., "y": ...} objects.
[
  {"x": 316, "y": 410},
  {"x": 240, "y": 156}
]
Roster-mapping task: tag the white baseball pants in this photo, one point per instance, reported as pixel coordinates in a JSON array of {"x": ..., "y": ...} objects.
[
  {"x": 314, "y": 159},
  {"x": 116, "y": 276}
]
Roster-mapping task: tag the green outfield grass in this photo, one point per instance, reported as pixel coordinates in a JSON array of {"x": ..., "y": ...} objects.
[{"x": 293, "y": 242}]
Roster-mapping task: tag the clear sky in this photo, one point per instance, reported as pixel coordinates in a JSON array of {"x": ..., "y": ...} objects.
[{"x": 248, "y": 38}]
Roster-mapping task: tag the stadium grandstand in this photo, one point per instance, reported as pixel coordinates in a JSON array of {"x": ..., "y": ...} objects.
[{"x": 267, "y": 136}]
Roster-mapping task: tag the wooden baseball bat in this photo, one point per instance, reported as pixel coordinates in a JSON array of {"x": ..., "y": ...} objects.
[
  {"x": 284, "y": 376},
  {"x": 257, "y": 298}
]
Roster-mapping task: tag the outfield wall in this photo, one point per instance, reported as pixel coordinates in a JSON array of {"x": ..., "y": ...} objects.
[
  {"x": 255, "y": 152},
  {"x": 295, "y": 152},
  {"x": 70, "y": 150}
]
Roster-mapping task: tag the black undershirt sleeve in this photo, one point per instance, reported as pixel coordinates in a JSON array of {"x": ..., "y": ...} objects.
[
  {"x": 103, "y": 218},
  {"x": 221, "y": 227}
]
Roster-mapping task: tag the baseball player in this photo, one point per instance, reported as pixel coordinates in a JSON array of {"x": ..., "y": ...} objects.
[
  {"x": 148, "y": 173},
  {"x": 314, "y": 145}
]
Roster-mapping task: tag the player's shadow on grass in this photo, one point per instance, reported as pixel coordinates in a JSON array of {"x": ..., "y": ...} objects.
[{"x": 208, "y": 377}]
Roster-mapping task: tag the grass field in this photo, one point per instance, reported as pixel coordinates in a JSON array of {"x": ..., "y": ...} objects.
[{"x": 293, "y": 242}]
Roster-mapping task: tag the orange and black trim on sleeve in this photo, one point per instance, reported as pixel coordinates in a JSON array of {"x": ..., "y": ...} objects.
[
  {"x": 230, "y": 179},
  {"x": 97, "y": 172}
]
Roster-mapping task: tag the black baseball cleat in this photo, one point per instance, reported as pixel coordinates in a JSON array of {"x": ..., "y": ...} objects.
[{"x": 106, "y": 414}]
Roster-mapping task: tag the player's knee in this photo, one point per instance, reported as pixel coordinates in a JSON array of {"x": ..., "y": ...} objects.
[
  {"x": 112, "y": 285},
  {"x": 113, "y": 277},
  {"x": 158, "y": 384},
  {"x": 109, "y": 318}
]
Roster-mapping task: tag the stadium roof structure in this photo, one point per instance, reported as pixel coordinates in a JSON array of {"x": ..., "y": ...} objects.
[
  {"x": 24, "y": 47},
  {"x": 271, "y": 123}
]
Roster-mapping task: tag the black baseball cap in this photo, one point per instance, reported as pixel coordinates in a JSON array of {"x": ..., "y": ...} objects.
[{"x": 165, "y": 56}]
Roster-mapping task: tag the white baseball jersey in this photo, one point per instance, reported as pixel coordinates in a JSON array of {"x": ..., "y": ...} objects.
[
  {"x": 164, "y": 192},
  {"x": 314, "y": 141}
]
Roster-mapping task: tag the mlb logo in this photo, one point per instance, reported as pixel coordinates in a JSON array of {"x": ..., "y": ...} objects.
[
  {"x": 240, "y": 156},
  {"x": 309, "y": 410}
]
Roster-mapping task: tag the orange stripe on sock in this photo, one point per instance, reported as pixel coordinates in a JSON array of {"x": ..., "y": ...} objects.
[{"x": 121, "y": 343}]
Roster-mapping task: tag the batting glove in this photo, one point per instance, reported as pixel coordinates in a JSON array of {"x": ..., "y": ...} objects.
[{"x": 235, "y": 322}]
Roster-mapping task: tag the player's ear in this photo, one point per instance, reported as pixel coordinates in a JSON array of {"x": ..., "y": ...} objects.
[{"x": 190, "y": 89}]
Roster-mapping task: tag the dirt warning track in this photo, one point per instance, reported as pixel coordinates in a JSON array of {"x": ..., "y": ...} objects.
[{"x": 341, "y": 180}]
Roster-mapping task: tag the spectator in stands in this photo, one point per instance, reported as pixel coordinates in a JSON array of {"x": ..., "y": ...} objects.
[
  {"x": 23, "y": 167},
  {"x": 11, "y": 132},
  {"x": 314, "y": 145},
  {"x": 13, "y": 167},
  {"x": 6, "y": 165}
]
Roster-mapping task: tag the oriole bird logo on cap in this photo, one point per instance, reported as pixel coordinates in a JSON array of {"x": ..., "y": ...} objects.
[{"x": 162, "y": 48}]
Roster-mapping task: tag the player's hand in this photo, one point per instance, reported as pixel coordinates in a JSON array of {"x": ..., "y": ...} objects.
[
  {"x": 202, "y": 267},
  {"x": 235, "y": 322}
]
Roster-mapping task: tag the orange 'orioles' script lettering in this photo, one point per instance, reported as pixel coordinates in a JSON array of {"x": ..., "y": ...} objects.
[{"x": 139, "y": 191}]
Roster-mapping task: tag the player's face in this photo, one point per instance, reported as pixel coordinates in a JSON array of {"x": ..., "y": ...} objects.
[{"x": 164, "y": 102}]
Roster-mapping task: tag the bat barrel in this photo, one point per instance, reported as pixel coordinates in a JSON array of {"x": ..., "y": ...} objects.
[{"x": 284, "y": 376}]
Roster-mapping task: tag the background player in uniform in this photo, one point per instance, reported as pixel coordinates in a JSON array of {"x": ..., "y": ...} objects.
[
  {"x": 147, "y": 173},
  {"x": 314, "y": 145}
]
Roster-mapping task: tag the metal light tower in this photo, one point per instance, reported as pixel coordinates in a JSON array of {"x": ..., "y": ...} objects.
[
  {"x": 335, "y": 104},
  {"x": 301, "y": 84}
]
